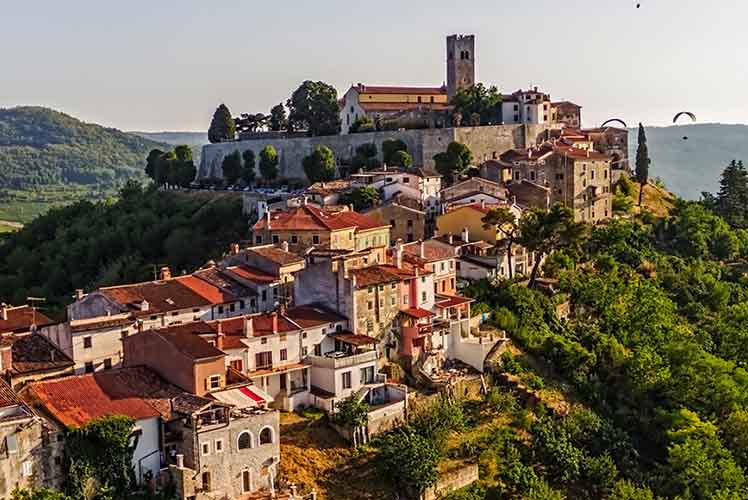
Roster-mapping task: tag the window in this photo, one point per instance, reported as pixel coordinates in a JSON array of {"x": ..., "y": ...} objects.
[
  {"x": 318, "y": 349},
  {"x": 371, "y": 305},
  {"x": 264, "y": 295},
  {"x": 220, "y": 309},
  {"x": 245, "y": 441},
  {"x": 423, "y": 296},
  {"x": 27, "y": 468},
  {"x": 406, "y": 180},
  {"x": 592, "y": 175},
  {"x": 232, "y": 307},
  {"x": 206, "y": 449},
  {"x": 206, "y": 481},
  {"x": 237, "y": 365},
  {"x": 264, "y": 341},
  {"x": 304, "y": 352},
  {"x": 346, "y": 380},
  {"x": 123, "y": 334},
  {"x": 218, "y": 445},
  {"x": 367, "y": 375},
  {"x": 283, "y": 337},
  {"x": 11, "y": 444},
  {"x": 266, "y": 435},
  {"x": 315, "y": 239},
  {"x": 263, "y": 360},
  {"x": 87, "y": 342},
  {"x": 214, "y": 382},
  {"x": 284, "y": 354},
  {"x": 304, "y": 334},
  {"x": 393, "y": 300},
  {"x": 532, "y": 175},
  {"x": 294, "y": 239},
  {"x": 516, "y": 175},
  {"x": 410, "y": 222},
  {"x": 420, "y": 99},
  {"x": 89, "y": 367},
  {"x": 258, "y": 240},
  {"x": 242, "y": 304},
  {"x": 423, "y": 279},
  {"x": 605, "y": 173},
  {"x": 443, "y": 267},
  {"x": 276, "y": 239},
  {"x": 405, "y": 300},
  {"x": 108, "y": 364}
]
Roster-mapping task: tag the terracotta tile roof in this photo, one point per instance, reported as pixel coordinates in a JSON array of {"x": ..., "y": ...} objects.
[
  {"x": 162, "y": 296},
  {"x": 330, "y": 187},
  {"x": 134, "y": 392},
  {"x": 98, "y": 323},
  {"x": 252, "y": 274},
  {"x": 33, "y": 353},
  {"x": 417, "y": 312},
  {"x": 192, "y": 346},
  {"x": 7, "y": 395},
  {"x": 276, "y": 255},
  {"x": 225, "y": 282},
  {"x": 352, "y": 339},
  {"x": 311, "y": 316},
  {"x": 385, "y": 89},
  {"x": 403, "y": 106},
  {"x": 579, "y": 154},
  {"x": 432, "y": 251},
  {"x": 21, "y": 318},
  {"x": 532, "y": 154},
  {"x": 375, "y": 275},
  {"x": 262, "y": 325},
  {"x": 445, "y": 301},
  {"x": 565, "y": 104},
  {"x": 309, "y": 218},
  {"x": 406, "y": 272},
  {"x": 208, "y": 291}
]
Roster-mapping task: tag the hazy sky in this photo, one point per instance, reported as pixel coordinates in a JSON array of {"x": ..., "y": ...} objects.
[{"x": 166, "y": 64}]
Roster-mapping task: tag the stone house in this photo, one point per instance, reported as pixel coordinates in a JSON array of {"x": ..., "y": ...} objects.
[
  {"x": 406, "y": 223},
  {"x": 436, "y": 259},
  {"x": 474, "y": 186},
  {"x": 21, "y": 437},
  {"x": 526, "y": 106},
  {"x": 29, "y": 357},
  {"x": 334, "y": 228},
  {"x": 468, "y": 219},
  {"x": 566, "y": 113}
]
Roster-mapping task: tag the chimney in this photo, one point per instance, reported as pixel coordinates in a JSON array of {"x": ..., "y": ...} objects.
[
  {"x": 234, "y": 249},
  {"x": 249, "y": 327},
  {"x": 421, "y": 249},
  {"x": 165, "y": 273},
  {"x": 79, "y": 294},
  {"x": 219, "y": 336},
  {"x": 399, "y": 254},
  {"x": 180, "y": 461},
  {"x": 267, "y": 218},
  {"x": 4, "y": 312},
  {"x": 450, "y": 238},
  {"x": 274, "y": 318},
  {"x": 145, "y": 306},
  {"x": 465, "y": 235},
  {"x": 284, "y": 246}
]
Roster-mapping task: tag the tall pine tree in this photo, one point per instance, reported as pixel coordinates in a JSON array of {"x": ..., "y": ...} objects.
[
  {"x": 642, "y": 163},
  {"x": 222, "y": 127},
  {"x": 732, "y": 199}
]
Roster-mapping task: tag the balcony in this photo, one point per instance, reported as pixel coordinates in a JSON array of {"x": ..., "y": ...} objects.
[{"x": 335, "y": 360}]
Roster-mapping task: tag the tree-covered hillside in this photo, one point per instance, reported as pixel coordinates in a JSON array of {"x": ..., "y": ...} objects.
[
  {"x": 42, "y": 147},
  {"x": 85, "y": 245}
]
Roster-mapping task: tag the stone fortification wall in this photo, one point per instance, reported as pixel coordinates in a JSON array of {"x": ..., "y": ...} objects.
[{"x": 485, "y": 143}]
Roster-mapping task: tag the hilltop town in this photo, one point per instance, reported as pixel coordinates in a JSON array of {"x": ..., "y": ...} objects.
[{"x": 357, "y": 293}]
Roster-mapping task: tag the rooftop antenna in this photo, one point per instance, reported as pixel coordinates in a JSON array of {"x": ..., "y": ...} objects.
[{"x": 32, "y": 301}]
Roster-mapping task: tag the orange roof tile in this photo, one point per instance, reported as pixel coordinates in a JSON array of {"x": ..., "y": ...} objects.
[
  {"x": 252, "y": 274},
  {"x": 162, "y": 296},
  {"x": 385, "y": 89},
  {"x": 21, "y": 318},
  {"x": 432, "y": 251},
  {"x": 403, "y": 106},
  {"x": 208, "y": 291},
  {"x": 309, "y": 218},
  {"x": 134, "y": 392}
]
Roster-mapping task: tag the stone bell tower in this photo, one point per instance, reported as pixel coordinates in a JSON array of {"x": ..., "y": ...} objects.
[{"x": 460, "y": 63}]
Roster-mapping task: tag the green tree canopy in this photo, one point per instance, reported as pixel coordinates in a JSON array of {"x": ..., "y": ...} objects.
[
  {"x": 222, "y": 126},
  {"x": 390, "y": 147},
  {"x": 402, "y": 159},
  {"x": 361, "y": 198},
  {"x": 453, "y": 163},
  {"x": 314, "y": 107},
  {"x": 366, "y": 157},
  {"x": 409, "y": 461},
  {"x": 232, "y": 167},
  {"x": 278, "y": 118},
  {"x": 319, "y": 166},
  {"x": 269, "y": 163},
  {"x": 732, "y": 199},
  {"x": 248, "y": 168},
  {"x": 505, "y": 222},
  {"x": 481, "y": 104}
]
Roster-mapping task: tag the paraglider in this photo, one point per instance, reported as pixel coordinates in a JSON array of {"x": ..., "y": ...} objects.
[
  {"x": 688, "y": 114},
  {"x": 615, "y": 120}
]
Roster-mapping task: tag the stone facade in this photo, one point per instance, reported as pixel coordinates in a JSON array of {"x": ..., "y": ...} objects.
[
  {"x": 406, "y": 224},
  {"x": 460, "y": 63},
  {"x": 20, "y": 451},
  {"x": 485, "y": 143}
]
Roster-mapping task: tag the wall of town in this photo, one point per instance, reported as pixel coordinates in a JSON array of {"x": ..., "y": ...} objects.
[
  {"x": 453, "y": 480},
  {"x": 485, "y": 142},
  {"x": 146, "y": 457}
]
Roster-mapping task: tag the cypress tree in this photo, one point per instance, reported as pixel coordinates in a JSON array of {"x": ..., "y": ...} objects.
[
  {"x": 642, "y": 162},
  {"x": 733, "y": 195},
  {"x": 222, "y": 127}
]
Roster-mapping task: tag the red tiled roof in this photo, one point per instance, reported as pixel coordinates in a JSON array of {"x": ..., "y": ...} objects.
[
  {"x": 566, "y": 104},
  {"x": 375, "y": 275},
  {"x": 532, "y": 154},
  {"x": 579, "y": 154},
  {"x": 352, "y": 339},
  {"x": 309, "y": 218},
  {"x": 403, "y": 106},
  {"x": 252, "y": 274},
  {"x": 384, "y": 89},
  {"x": 21, "y": 318},
  {"x": 162, "y": 296},
  {"x": 208, "y": 291},
  {"x": 275, "y": 254},
  {"x": 134, "y": 392},
  {"x": 432, "y": 251},
  {"x": 33, "y": 353},
  {"x": 311, "y": 316},
  {"x": 417, "y": 312},
  {"x": 262, "y": 325},
  {"x": 7, "y": 395},
  {"x": 192, "y": 346},
  {"x": 446, "y": 301}
]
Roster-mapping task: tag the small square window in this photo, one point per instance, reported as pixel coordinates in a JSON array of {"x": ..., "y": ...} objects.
[
  {"x": 108, "y": 364},
  {"x": 315, "y": 239},
  {"x": 89, "y": 367},
  {"x": 304, "y": 351},
  {"x": 87, "y": 342},
  {"x": 264, "y": 340},
  {"x": 284, "y": 354},
  {"x": 218, "y": 446},
  {"x": 206, "y": 449},
  {"x": 294, "y": 239},
  {"x": 220, "y": 309},
  {"x": 276, "y": 239}
]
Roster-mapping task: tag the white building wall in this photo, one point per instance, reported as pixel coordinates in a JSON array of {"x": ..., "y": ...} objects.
[{"x": 147, "y": 454}]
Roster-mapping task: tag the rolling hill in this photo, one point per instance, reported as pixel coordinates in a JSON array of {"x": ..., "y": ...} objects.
[
  {"x": 48, "y": 158},
  {"x": 196, "y": 140},
  {"x": 691, "y": 166}
]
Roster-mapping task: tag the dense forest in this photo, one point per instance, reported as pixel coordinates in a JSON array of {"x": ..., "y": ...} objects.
[
  {"x": 42, "y": 147},
  {"x": 85, "y": 245}
]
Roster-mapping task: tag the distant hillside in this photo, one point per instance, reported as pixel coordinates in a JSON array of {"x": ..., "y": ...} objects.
[
  {"x": 196, "y": 140},
  {"x": 39, "y": 146},
  {"x": 691, "y": 166}
]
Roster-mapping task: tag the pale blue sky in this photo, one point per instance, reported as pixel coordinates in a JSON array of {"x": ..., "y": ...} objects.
[{"x": 166, "y": 64}]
